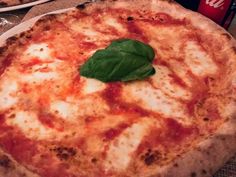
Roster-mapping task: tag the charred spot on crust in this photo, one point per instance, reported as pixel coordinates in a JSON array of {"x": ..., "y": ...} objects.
[
  {"x": 51, "y": 17},
  {"x": 150, "y": 157},
  {"x": 47, "y": 28},
  {"x": 45, "y": 19},
  {"x": 64, "y": 153},
  {"x": 3, "y": 4},
  {"x": 11, "y": 40},
  {"x": 2, "y": 50},
  {"x": 94, "y": 160},
  {"x": 5, "y": 161},
  {"x": 204, "y": 171},
  {"x": 22, "y": 34},
  {"x": 130, "y": 18},
  {"x": 206, "y": 119},
  {"x": 176, "y": 165},
  {"x": 227, "y": 36},
  {"x": 81, "y": 6},
  {"x": 234, "y": 49},
  {"x": 193, "y": 174},
  {"x": 28, "y": 36}
]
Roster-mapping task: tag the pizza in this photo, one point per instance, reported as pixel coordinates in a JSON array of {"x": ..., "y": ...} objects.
[
  {"x": 6, "y": 3},
  {"x": 178, "y": 122}
]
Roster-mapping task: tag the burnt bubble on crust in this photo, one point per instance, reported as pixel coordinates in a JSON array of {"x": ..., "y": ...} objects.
[
  {"x": 2, "y": 50},
  {"x": 11, "y": 40},
  {"x": 130, "y": 18},
  {"x": 193, "y": 174},
  {"x": 82, "y": 6},
  {"x": 151, "y": 156},
  {"x": 5, "y": 161},
  {"x": 64, "y": 153},
  {"x": 227, "y": 36}
]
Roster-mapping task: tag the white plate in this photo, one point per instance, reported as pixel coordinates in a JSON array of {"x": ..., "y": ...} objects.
[
  {"x": 21, "y": 6},
  {"x": 25, "y": 26}
]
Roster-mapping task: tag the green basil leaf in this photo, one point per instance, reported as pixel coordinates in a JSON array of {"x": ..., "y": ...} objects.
[
  {"x": 122, "y": 60},
  {"x": 133, "y": 46}
]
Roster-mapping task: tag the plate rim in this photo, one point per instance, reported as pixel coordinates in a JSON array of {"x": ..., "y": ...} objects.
[
  {"x": 21, "y": 6},
  {"x": 26, "y": 25}
]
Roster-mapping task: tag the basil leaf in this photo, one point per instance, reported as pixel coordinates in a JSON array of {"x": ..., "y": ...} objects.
[
  {"x": 133, "y": 46},
  {"x": 122, "y": 60}
]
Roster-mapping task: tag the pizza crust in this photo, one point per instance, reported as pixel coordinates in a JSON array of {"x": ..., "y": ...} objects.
[
  {"x": 207, "y": 157},
  {"x": 10, "y": 168}
]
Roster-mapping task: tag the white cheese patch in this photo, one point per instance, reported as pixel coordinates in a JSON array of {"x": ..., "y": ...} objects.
[
  {"x": 38, "y": 77},
  {"x": 40, "y": 51},
  {"x": 87, "y": 105},
  {"x": 64, "y": 109},
  {"x": 92, "y": 85},
  {"x": 42, "y": 72},
  {"x": 200, "y": 63},
  {"x": 93, "y": 32},
  {"x": 120, "y": 150},
  {"x": 84, "y": 28},
  {"x": 152, "y": 99},
  {"x": 29, "y": 124},
  {"x": 163, "y": 80},
  {"x": 115, "y": 24},
  {"x": 8, "y": 93}
]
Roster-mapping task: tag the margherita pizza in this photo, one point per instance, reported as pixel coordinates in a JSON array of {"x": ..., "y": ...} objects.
[{"x": 177, "y": 122}]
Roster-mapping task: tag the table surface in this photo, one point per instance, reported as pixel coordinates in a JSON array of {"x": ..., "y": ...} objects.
[{"x": 228, "y": 170}]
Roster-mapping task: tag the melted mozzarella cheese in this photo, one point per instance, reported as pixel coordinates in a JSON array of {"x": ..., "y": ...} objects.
[
  {"x": 92, "y": 85},
  {"x": 84, "y": 28},
  {"x": 38, "y": 75},
  {"x": 163, "y": 80},
  {"x": 152, "y": 99},
  {"x": 40, "y": 51},
  {"x": 92, "y": 105},
  {"x": 198, "y": 60},
  {"x": 64, "y": 109},
  {"x": 115, "y": 24},
  {"x": 30, "y": 125},
  {"x": 120, "y": 150},
  {"x": 8, "y": 93}
]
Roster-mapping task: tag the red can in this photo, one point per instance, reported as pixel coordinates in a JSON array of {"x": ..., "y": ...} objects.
[{"x": 215, "y": 9}]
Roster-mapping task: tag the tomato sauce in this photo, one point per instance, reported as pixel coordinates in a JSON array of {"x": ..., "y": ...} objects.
[
  {"x": 113, "y": 97},
  {"x": 21, "y": 148},
  {"x": 5, "y": 63},
  {"x": 176, "y": 132},
  {"x": 15, "y": 143},
  {"x": 114, "y": 132},
  {"x": 170, "y": 135},
  {"x": 135, "y": 32},
  {"x": 50, "y": 121},
  {"x": 178, "y": 80}
]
